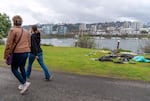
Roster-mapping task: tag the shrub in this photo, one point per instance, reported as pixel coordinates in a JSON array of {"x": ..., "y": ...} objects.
[
  {"x": 85, "y": 42},
  {"x": 2, "y": 42},
  {"x": 47, "y": 45},
  {"x": 146, "y": 48}
]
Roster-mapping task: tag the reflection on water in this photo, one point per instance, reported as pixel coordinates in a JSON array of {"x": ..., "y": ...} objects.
[
  {"x": 68, "y": 42},
  {"x": 126, "y": 44},
  {"x": 134, "y": 45}
]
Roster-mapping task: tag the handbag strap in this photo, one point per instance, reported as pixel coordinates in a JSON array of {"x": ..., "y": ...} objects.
[{"x": 17, "y": 41}]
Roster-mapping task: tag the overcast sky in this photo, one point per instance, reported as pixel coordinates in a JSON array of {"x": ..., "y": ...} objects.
[{"x": 75, "y": 11}]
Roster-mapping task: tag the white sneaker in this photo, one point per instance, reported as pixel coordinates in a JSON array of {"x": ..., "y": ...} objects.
[
  {"x": 20, "y": 87},
  {"x": 25, "y": 87}
]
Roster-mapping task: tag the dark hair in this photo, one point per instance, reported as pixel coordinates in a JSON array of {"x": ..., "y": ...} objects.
[
  {"x": 17, "y": 20},
  {"x": 35, "y": 29}
]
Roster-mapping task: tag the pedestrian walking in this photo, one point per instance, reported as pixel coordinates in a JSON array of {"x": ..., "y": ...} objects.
[
  {"x": 36, "y": 53},
  {"x": 18, "y": 44}
]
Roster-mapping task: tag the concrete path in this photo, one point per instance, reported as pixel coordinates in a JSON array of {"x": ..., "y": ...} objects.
[{"x": 68, "y": 87}]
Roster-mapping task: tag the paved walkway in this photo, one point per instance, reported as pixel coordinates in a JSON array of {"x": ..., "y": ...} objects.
[{"x": 67, "y": 87}]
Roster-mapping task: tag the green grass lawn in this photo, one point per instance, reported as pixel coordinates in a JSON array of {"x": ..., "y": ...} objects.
[{"x": 79, "y": 61}]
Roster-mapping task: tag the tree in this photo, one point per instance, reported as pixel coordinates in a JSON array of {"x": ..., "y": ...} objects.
[
  {"x": 5, "y": 25},
  {"x": 85, "y": 42},
  {"x": 144, "y": 32}
]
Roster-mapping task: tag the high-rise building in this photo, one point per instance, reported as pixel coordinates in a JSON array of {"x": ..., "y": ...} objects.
[
  {"x": 82, "y": 27},
  {"x": 62, "y": 29},
  {"x": 136, "y": 25},
  {"x": 47, "y": 28}
]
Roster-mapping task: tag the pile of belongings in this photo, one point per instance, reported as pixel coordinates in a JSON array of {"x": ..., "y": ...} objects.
[{"x": 124, "y": 58}]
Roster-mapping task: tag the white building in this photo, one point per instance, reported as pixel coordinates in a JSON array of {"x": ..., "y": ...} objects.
[
  {"x": 136, "y": 25},
  {"x": 47, "y": 29},
  {"x": 82, "y": 27}
]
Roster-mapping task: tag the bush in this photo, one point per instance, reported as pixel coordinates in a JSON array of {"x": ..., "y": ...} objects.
[
  {"x": 47, "y": 45},
  {"x": 146, "y": 47},
  {"x": 2, "y": 42},
  {"x": 85, "y": 42}
]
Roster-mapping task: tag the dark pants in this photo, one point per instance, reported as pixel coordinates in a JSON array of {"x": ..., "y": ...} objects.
[{"x": 19, "y": 61}]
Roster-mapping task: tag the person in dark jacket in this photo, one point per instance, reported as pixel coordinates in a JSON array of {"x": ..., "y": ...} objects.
[{"x": 36, "y": 53}]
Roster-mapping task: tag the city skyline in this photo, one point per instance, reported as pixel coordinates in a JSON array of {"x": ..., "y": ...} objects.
[{"x": 76, "y": 11}]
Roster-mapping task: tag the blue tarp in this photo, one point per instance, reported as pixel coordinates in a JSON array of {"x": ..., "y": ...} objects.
[{"x": 140, "y": 59}]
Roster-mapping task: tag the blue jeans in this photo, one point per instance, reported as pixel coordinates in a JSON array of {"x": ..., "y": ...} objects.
[
  {"x": 19, "y": 61},
  {"x": 40, "y": 61}
]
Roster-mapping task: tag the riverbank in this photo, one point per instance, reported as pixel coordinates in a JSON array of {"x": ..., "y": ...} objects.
[{"x": 132, "y": 44}]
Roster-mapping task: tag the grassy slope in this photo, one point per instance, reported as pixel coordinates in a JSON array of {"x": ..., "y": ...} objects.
[{"x": 78, "y": 60}]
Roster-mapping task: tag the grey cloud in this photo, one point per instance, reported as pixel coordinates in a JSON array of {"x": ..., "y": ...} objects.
[{"x": 90, "y": 11}]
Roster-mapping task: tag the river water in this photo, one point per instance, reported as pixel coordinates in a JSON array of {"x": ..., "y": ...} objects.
[{"x": 132, "y": 44}]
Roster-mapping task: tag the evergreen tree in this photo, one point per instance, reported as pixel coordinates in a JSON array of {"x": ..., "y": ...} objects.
[{"x": 5, "y": 25}]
